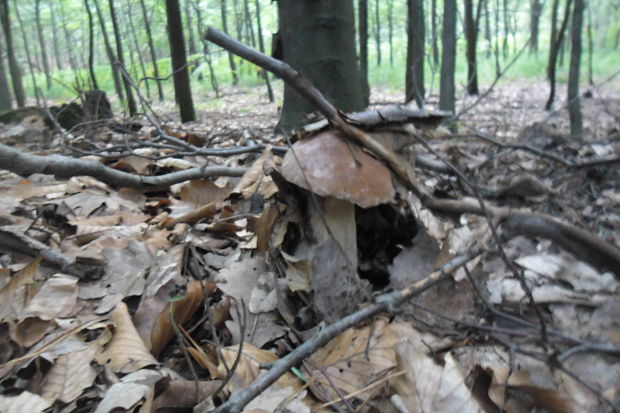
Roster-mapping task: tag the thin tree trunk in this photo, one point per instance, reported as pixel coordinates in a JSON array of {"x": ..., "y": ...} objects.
[
  {"x": 414, "y": 82},
  {"x": 57, "y": 56},
  {"x": 590, "y": 47},
  {"x": 487, "y": 29},
  {"x": 131, "y": 103},
  {"x": 5, "y": 93},
  {"x": 29, "y": 56},
  {"x": 191, "y": 43},
  {"x": 248, "y": 23},
  {"x": 496, "y": 48},
  {"x": 68, "y": 42},
  {"x": 506, "y": 28},
  {"x": 378, "y": 32},
  {"x": 42, "y": 44},
  {"x": 261, "y": 47},
  {"x": 363, "y": 47},
  {"x": 434, "y": 43},
  {"x": 535, "y": 12},
  {"x": 182, "y": 87},
  {"x": 91, "y": 46},
  {"x": 471, "y": 35},
  {"x": 134, "y": 36},
  {"x": 149, "y": 36},
  {"x": 110, "y": 53},
  {"x": 231, "y": 58},
  {"x": 574, "y": 105},
  {"x": 554, "y": 50},
  {"x": 207, "y": 55},
  {"x": 16, "y": 76},
  {"x": 448, "y": 56}
]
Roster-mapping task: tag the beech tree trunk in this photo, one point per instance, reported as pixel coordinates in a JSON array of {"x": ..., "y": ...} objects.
[
  {"x": 471, "y": 35},
  {"x": 261, "y": 47},
  {"x": 391, "y": 30},
  {"x": 448, "y": 56},
  {"x": 16, "y": 76},
  {"x": 136, "y": 47},
  {"x": 42, "y": 43},
  {"x": 363, "y": 48},
  {"x": 326, "y": 29},
  {"x": 29, "y": 56},
  {"x": 91, "y": 46},
  {"x": 57, "y": 55},
  {"x": 414, "y": 82},
  {"x": 554, "y": 48},
  {"x": 191, "y": 43},
  {"x": 378, "y": 32},
  {"x": 574, "y": 105},
  {"x": 110, "y": 54},
  {"x": 434, "y": 45},
  {"x": 182, "y": 88}
]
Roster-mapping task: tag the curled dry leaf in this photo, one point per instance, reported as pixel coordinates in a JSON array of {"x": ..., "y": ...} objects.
[
  {"x": 26, "y": 402},
  {"x": 126, "y": 352},
  {"x": 18, "y": 292},
  {"x": 181, "y": 310}
]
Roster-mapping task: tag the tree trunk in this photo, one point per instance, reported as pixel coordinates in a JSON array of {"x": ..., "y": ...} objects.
[
  {"x": 434, "y": 45},
  {"x": 261, "y": 47},
  {"x": 207, "y": 55},
  {"x": 448, "y": 56},
  {"x": 471, "y": 35},
  {"x": 42, "y": 44},
  {"x": 326, "y": 28},
  {"x": 91, "y": 46},
  {"x": 363, "y": 49},
  {"x": 136, "y": 44},
  {"x": 535, "y": 12},
  {"x": 506, "y": 15},
  {"x": 57, "y": 56},
  {"x": 191, "y": 43},
  {"x": 231, "y": 58},
  {"x": 110, "y": 53},
  {"x": 555, "y": 48},
  {"x": 182, "y": 88},
  {"x": 248, "y": 23},
  {"x": 131, "y": 103},
  {"x": 574, "y": 106},
  {"x": 590, "y": 47},
  {"x": 391, "y": 30},
  {"x": 487, "y": 28},
  {"x": 414, "y": 82},
  {"x": 5, "y": 93},
  {"x": 378, "y": 32},
  {"x": 16, "y": 76},
  {"x": 29, "y": 56},
  {"x": 149, "y": 37}
]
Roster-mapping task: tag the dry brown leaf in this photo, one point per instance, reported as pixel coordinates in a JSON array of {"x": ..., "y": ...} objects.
[
  {"x": 204, "y": 213},
  {"x": 17, "y": 294},
  {"x": 264, "y": 226},
  {"x": 70, "y": 375},
  {"x": 349, "y": 365},
  {"x": 182, "y": 394},
  {"x": 56, "y": 298},
  {"x": 202, "y": 191},
  {"x": 554, "y": 401},
  {"x": 126, "y": 352},
  {"x": 254, "y": 177},
  {"x": 26, "y": 402},
  {"x": 29, "y": 331},
  {"x": 181, "y": 311}
]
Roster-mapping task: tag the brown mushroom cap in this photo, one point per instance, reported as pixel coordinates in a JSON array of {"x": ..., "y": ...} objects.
[{"x": 329, "y": 164}]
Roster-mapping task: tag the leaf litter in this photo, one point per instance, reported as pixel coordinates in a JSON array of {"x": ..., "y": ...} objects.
[{"x": 203, "y": 285}]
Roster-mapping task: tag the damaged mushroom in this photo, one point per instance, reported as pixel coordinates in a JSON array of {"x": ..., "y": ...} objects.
[{"x": 343, "y": 175}]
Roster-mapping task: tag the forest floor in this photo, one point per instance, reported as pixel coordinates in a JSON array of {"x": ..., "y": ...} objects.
[{"x": 159, "y": 286}]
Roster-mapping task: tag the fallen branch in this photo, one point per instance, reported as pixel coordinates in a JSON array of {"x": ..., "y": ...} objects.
[
  {"x": 64, "y": 167},
  {"x": 386, "y": 302}
]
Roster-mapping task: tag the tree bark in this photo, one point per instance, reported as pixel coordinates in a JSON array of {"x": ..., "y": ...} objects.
[
  {"x": 149, "y": 37},
  {"x": 29, "y": 56},
  {"x": 535, "y": 12},
  {"x": 16, "y": 76},
  {"x": 182, "y": 88},
  {"x": 110, "y": 54},
  {"x": 378, "y": 32},
  {"x": 414, "y": 82},
  {"x": 231, "y": 58},
  {"x": 326, "y": 28},
  {"x": 261, "y": 47},
  {"x": 42, "y": 44},
  {"x": 471, "y": 35},
  {"x": 555, "y": 49},
  {"x": 5, "y": 93},
  {"x": 363, "y": 49},
  {"x": 574, "y": 105},
  {"x": 248, "y": 23},
  {"x": 448, "y": 56},
  {"x": 205, "y": 45},
  {"x": 57, "y": 55},
  {"x": 131, "y": 103},
  {"x": 136, "y": 46},
  {"x": 191, "y": 43},
  {"x": 434, "y": 42},
  {"x": 91, "y": 46},
  {"x": 391, "y": 30}
]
